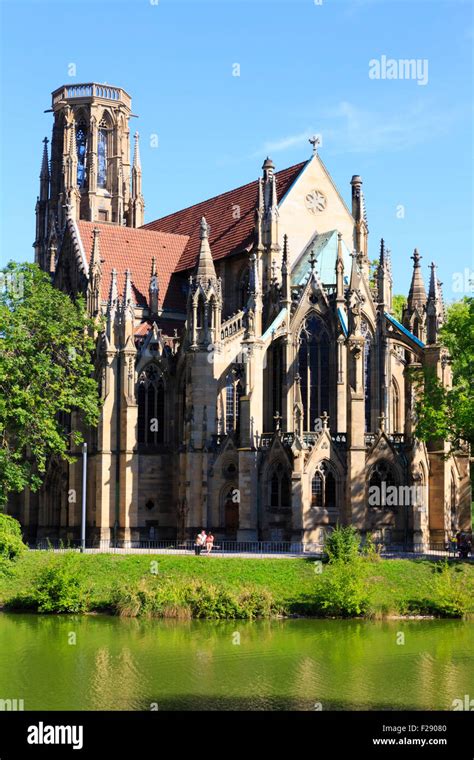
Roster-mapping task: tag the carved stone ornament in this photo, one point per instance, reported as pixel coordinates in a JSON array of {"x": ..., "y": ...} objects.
[{"x": 315, "y": 201}]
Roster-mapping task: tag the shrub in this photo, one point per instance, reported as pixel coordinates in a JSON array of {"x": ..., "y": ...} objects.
[
  {"x": 11, "y": 542},
  {"x": 59, "y": 587},
  {"x": 342, "y": 590},
  {"x": 451, "y": 596},
  {"x": 343, "y": 544},
  {"x": 157, "y": 598},
  {"x": 371, "y": 550}
]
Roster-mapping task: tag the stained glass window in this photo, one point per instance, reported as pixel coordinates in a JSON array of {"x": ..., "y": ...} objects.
[
  {"x": 102, "y": 157},
  {"x": 151, "y": 407},
  {"x": 81, "y": 143},
  {"x": 233, "y": 392},
  {"x": 313, "y": 368}
]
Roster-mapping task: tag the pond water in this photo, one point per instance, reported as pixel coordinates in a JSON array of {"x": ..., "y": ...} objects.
[{"x": 130, "y": 664}]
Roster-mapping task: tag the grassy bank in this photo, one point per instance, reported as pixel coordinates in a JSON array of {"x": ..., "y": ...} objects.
[{"x": 212, "y": 587}]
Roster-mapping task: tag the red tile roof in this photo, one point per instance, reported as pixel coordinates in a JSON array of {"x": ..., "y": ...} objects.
[
  {"x": 227, "y": 234},
  {"x": 123, "y": 248}
]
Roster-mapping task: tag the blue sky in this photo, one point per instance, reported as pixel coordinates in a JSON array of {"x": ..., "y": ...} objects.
[{"x": 304, "y": 68}]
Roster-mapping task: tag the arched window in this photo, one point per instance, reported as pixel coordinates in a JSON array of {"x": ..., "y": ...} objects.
[
  {"x": 277, "y": 379},
  {"x": 396, "y": 426},
  {"x": 382, "y": 479},
  {"x": 81, "y": 145},
  {"x": 102, "y": 152},
  {"x": 323, "y": 488},
  {"x": 367, "y": 374},
  {"x": 313, "y": 368},
  {"x": 280, "y": 487},
  {"x": 317, "y": 490},
  {"x": 233, "y": 392},
  {"x": 151, "y": 406}
]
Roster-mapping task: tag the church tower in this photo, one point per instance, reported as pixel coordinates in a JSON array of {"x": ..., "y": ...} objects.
[{"x": 89, "y": 164}]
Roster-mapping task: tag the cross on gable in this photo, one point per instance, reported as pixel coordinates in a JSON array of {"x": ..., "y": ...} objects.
[{"x": 315, "y": 141}]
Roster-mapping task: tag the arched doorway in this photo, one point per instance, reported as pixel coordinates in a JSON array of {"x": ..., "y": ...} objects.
[{"x": 231, "y": 514}]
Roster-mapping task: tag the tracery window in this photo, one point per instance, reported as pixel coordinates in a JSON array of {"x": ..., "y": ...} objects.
[
  {"x": 233, "y": 392},
  {"x": 280, "y": 487},
  {"x": 323, "y": 488},
  {"x": 313, "y": 368},
  {"x": 81, "y": 145},
  {"x": 102, "y": 151},
  {"x": 381, "y": 480},
  {"x": 151, "y": 406},
  {"x": 277, "y": 380}
]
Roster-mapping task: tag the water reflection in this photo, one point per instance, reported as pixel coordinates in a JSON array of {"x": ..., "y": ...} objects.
[{"x": 132, "y": 664}]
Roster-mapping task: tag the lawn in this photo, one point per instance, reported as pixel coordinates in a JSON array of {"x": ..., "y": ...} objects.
[{"x": 395, "y": 585}]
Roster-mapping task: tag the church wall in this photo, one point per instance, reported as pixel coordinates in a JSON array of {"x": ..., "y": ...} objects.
[{"x": 155, "y": 485}]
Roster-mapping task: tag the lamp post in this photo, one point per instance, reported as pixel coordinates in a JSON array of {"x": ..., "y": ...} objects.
[{"x": 84, "y": 496}]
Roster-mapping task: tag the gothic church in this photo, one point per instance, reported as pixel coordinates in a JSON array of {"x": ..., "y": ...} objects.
[{"x": 253, "y": 375}]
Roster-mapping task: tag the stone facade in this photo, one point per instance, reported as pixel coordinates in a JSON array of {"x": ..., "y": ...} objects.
[{"x": 254, "y": 378}]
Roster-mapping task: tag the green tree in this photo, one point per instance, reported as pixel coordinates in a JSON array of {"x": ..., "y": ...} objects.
[
  {"x": 398, "y": 303},
  {"x": 449, "y": 413},
  {"x": 46, "y": 369}
]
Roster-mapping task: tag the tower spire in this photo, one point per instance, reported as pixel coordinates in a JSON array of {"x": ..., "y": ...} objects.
[
  {"x": 137, "y": 204},
  {"x": 434, "y": 307},
  {"x": 44, "y": 174},
  {"x": 384, "y": 278},
  {"x": 205, "y": 268},
  {"x": 417, "y": 292},
  {"x": 285, "y": 276},
  {"x": 95, "y": 275}
]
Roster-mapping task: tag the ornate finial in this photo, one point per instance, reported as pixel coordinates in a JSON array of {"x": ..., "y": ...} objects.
[
  {"x": 113, "y": 292},
  {"x": 416, "y": 258},
  {"x": 127, "y": 291},
  {"x": 325, "y": 420},
  {"x": 204, "y": 228},
  {"x": 315, "y": 141},
  {"x": 285, "y": 248},
  {"x": 382, "y": 422},
  {"x": 312, "y": 261},
  {"x": 277, "y": 418}
]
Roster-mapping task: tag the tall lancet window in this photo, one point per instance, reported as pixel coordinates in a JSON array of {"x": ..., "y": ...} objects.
[
  {"x": 102, "y": 145},
  {"x": 313, "y": 367},
  {"x": 151, "y": 406},
  {"x": 81, "y": 144},
  {"x": 233, "y": 392},
  {"x": 367, "y": 374}
]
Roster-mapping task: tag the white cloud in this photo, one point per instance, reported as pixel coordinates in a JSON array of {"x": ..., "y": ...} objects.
[
  {"x": 277, "y": 145},
  {"x": 353, "y": 130}
]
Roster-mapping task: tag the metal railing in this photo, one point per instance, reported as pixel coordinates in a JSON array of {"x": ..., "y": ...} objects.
[{"x": 252, "y": 548}]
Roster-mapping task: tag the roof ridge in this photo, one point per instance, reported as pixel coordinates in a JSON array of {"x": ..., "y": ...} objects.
[
  {"x": 133, "y": 230},
  {"x": 220, "y": 195}
]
